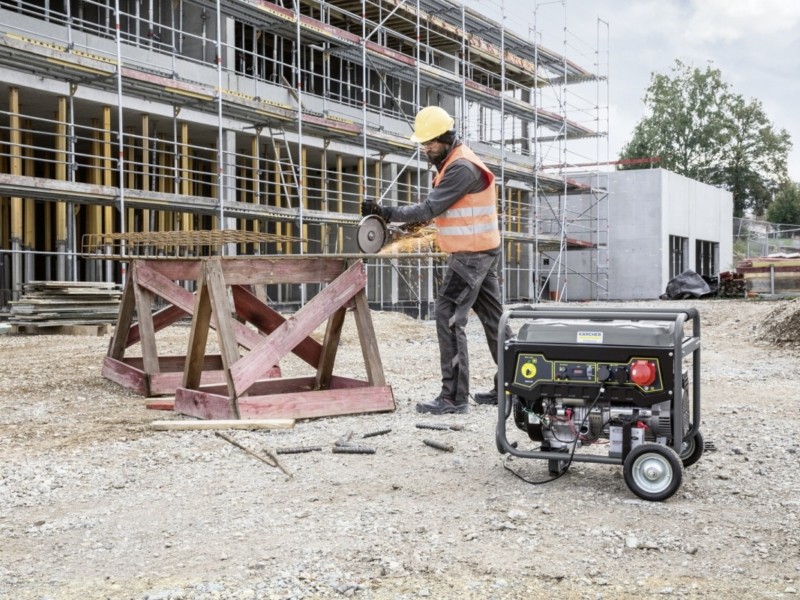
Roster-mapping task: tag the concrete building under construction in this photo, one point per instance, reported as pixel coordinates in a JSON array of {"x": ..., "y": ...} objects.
[{"x": 240, "y": 127}]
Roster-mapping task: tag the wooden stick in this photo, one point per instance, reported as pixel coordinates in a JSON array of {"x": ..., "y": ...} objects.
[
  {"x": 238, "y": 445},
  {"x": 223, "y": 424},
  {"x": 272, "y": 454}
]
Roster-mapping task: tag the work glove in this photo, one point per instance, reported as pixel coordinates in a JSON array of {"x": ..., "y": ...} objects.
[{"x": 370, "y": 207}]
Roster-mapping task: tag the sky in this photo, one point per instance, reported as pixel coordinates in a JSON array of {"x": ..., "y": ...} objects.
[{"x": 754, "y": 43}]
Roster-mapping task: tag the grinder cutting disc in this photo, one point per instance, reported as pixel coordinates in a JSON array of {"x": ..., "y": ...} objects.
[{"x": 372, "y": 234}]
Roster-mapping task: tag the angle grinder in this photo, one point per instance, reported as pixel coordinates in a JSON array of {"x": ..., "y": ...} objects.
[{"x": 373, "y": 234}]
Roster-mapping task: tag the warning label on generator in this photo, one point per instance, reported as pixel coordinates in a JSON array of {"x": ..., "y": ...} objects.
[{"x": 590, "y": 337}]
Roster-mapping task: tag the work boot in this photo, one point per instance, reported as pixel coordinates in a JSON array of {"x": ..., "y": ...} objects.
[
  {"x": 441, "y": 406},
  {"x": 486, "y": 397}
]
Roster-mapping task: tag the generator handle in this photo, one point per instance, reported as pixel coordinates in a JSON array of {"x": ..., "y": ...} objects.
[{"x": 682, "y": 347}]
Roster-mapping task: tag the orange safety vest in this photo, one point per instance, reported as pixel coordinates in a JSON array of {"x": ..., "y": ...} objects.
[{"x": 469, "y": 225}]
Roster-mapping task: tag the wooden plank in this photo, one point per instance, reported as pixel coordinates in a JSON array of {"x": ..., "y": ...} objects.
[
  {"x": 198, "y": 337},
  {"x": 369, "y": 342},
  {"x": 255, "y": 270},
  {"x": 319, "y": 403},
  {"x": 265, "y": 387},
  {"x": 181, "y": 269},
  {"x": 161, "y": 319},
  {"x": 172, "y": 363},
  {"x": 221, "y": 309},
  {"x": 165, "y": 384},
  {"x": 251, "y": 424},
  {"x": 211, "y": 362},
  {"x": 144, "y": 304},
  {"x": 267, "y": 320},
  {"x": 160, "y": 404},
  {"x": 125, "y": 375},
  {"x": 202, "y": 405},
  {"x": 183, "y": 298},
  {"x": 337, "y": 294},
  {"x": 330, "y": 344},
  {"x": 61, "y": 329},
  {"x": 119, "y": 340}
]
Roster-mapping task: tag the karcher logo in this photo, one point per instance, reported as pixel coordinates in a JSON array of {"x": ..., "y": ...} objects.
[{"x": 590, "y": 337}]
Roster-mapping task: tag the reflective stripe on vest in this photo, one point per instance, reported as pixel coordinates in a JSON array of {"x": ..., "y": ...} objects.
[{"x": 469, "y": 225}]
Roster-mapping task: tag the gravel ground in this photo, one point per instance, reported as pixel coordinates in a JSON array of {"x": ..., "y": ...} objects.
[{"x": 96, "y": 504}]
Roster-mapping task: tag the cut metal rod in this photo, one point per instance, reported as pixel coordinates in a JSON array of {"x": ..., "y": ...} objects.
[
  {"x": 376, "y": 432},
  {"x": 353, "y": 450},
  {"x": 437, "y": 426},
  {"x": 297, "y": 449},
  {"x": 440, "y": 426},
  {"x": 438, "y": 445}
]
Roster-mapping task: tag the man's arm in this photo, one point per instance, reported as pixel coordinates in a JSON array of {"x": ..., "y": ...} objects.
[{"x": 461, "y": 178}]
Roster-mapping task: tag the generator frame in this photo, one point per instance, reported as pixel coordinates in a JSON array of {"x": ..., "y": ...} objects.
[{"x": 684, "y": 347}]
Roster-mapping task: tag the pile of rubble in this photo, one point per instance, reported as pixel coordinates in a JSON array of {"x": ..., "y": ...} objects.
[{"x": 781, "y": 327}]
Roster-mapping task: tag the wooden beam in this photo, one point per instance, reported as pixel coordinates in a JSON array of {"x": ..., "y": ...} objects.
[
  {"x": 198, "y": 336},
  {"x": 222, "y": 424},
  {"x": 221, "y": 309},
  {"x": 254, "y": 270},
  {"x": 182, "y": 298},
  {"x": 144, "y": 312},
  {"x": 369, "y": 342},
  {"x": 333, "y": 334},
  {"x": 119, "y": 340},
  {"x": 267, "y": 320}
]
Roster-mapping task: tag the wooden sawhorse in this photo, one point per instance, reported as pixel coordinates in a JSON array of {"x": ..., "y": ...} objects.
[
  {"x": 245, "y": 394},
  {"x": 151, "y": 374}
]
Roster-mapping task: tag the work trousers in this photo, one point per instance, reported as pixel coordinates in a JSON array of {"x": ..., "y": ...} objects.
[{"x": 470, "y": 282}]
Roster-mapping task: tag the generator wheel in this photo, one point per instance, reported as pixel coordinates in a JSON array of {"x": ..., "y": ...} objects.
[
  {"x": 692, "y": 449},
  {"x": 653, "y": 472}
]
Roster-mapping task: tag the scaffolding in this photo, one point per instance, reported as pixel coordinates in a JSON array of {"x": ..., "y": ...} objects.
[{"x": 138, "y": 117}]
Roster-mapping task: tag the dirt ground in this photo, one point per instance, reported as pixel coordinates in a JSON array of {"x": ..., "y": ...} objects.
[{"x": 94, "y": 503}]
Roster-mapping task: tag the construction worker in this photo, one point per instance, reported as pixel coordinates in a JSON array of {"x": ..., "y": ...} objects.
[{"x": 463, "y": 204}]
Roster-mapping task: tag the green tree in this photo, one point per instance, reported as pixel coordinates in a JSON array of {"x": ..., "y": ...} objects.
[
  {"x": 785, "y": 209},
  {"x": 699, "y": 128}
]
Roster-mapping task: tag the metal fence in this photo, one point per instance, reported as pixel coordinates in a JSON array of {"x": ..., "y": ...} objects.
[{"x": 752, "y": 238}]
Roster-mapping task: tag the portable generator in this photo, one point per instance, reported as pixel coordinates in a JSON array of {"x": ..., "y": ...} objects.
[{"x": 613, "y": 382}]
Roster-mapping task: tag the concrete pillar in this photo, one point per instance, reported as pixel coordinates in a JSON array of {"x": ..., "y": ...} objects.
[{"x": 229, "y": 181}]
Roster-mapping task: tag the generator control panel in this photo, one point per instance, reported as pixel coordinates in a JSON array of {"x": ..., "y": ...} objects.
[
  {"x": 626, "y": 374},
  {"x": 643, "y": 373}
]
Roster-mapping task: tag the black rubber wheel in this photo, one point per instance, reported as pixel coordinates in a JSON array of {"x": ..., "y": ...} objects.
[
  {"x": 653, "y": 472},
  {"x": 692, "y": 449}
]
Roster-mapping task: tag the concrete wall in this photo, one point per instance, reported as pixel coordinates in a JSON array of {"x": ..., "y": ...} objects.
[
  {"x": 646, "y": 207},
  {"x": 698, "y": 211},
  {"x": 637, "y": 246}
]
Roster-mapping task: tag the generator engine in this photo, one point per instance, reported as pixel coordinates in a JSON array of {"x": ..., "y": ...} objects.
[{"x": 612, "y": 379}]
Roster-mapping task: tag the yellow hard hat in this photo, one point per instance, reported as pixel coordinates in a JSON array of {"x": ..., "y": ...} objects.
[{"x": 431, "y": 122}]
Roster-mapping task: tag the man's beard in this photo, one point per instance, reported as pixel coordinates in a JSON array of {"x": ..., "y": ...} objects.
[{"x": 436, "y": 158}]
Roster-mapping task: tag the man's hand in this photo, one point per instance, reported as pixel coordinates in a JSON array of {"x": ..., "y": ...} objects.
[{"x": 370, "y": 207}]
